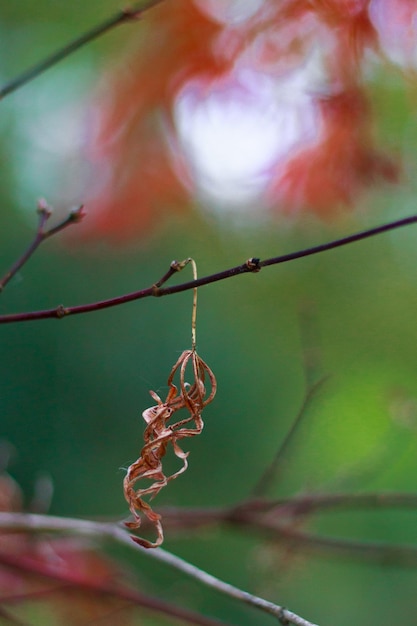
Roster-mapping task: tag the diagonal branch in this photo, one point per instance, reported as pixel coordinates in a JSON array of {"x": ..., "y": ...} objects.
[
  {"x": 22, "y": 522},
  {"x": 126, "y": 15},
  {"x": 404, "y": 555},
  {"x": 250, "y": 266},
  {"x": 311, "y": 503},
  {"x": 271, "y": 472},
  {"x": 274, "y": 520},
  {"x": 44, "y": 212}
]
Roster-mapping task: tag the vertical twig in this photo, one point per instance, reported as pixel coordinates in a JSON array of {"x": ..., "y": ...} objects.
[{"x": 271, "y": 472}]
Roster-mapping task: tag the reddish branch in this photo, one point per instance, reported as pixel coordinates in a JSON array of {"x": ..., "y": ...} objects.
[
  {"x": 250, "y": 266},
  {"x": 45, "y": 212}
]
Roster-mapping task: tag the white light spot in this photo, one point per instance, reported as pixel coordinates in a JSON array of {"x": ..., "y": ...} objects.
[{"x": 234, "y": 131}]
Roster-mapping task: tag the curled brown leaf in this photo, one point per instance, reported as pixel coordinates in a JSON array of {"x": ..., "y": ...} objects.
[{"x": 161, "y": 432}]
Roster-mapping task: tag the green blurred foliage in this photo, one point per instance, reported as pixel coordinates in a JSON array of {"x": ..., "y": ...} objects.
[{"x": 72, "y": 391}]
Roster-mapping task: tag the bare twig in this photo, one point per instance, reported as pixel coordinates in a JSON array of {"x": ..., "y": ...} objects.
[
  {"x": 310, "y": 503},
  {"x": 253, "y": 265},
  {"x": 275, "y": 520},
  {"x": 22, "y": 522},
  {"x": 376, "y": 551},
  {"x": 271, "y": 472},
  {"x": 122, "y": 17},
  {"x": 44, "y": 211},
  {"x": 194, "y": 518}
]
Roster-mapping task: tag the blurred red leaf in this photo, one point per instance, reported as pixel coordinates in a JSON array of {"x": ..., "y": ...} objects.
[
  {"x": 140, "y": 168},
  {"x": 74, "y": 558},
  {"x": 333, "y": 172}
]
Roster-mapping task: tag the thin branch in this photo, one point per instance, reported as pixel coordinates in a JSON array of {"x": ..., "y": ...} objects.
[
  {"x": 311, "y": 503},
  {"x": 122, "y": 17},
  {"x": 186, "y": 519},
  {"x": 271, "y": 472},
  {"x": 311, "y": 353},
  {"x": 250, "y": 266},
  {"x": 300, "y": 506},
  {"x": 45, "y": 212},
  {"x": 50, "y": 571},
  {"x": 15, "y": 522},
  {"x": 274, "y": 519},
  {"x": 377, "y": 551}
]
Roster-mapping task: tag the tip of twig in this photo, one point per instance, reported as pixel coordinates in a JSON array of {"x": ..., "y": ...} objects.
[
  {"x": 177, "y": 266},
  {"x": 77, "y": 214},
  {"x": 43, "y": 208}
]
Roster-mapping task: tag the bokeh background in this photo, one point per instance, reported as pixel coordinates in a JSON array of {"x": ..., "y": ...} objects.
[{"x": 72, "y": 391}]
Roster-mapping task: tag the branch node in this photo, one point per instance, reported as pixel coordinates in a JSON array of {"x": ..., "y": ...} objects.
[
  {"x": 156, "y": 292},
  {"x": 61, "y": 311},
  {"x": 253, "y": 264},
  {"x": 282, "y": 616}
]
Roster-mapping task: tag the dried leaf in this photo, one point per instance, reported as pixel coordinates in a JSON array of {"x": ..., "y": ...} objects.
[{"x": 160, "y": 432}]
